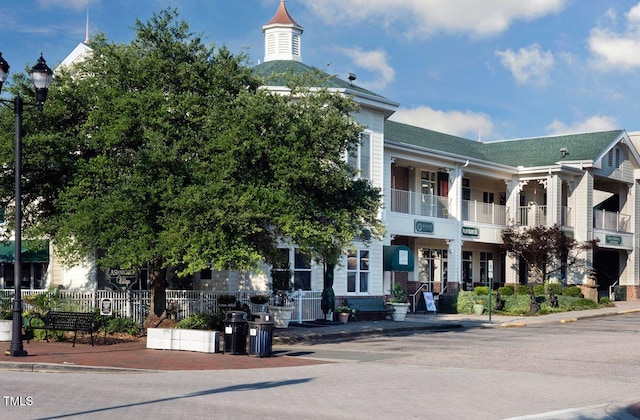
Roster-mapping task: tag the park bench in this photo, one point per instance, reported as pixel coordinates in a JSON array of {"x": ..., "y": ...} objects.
[
  {"x": 368, "y": 308},
  {"x": 66, "y": 321}
]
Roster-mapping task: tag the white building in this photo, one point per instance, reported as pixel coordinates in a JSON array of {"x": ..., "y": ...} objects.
[{"x": 447, "y": 200}]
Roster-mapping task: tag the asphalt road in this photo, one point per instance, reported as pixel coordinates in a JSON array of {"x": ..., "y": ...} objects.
[{"x": 582, "y": 370}]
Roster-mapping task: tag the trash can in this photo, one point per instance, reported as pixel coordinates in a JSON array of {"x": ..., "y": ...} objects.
[
  {"x": 261, "y": 334},
  {"x": 235, "y": 332}
]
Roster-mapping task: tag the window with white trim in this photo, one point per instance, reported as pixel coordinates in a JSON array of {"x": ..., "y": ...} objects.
[
  {"x": 294, "y": 263},
  {"x": 360, "y": 158},
  {"x": 358, "y": 271}
]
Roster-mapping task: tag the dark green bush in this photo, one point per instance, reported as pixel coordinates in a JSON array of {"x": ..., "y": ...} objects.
[
  {"x": 605, "y": 301},
  {"x": 538, "y": 289},
  {"x": 122, "y": 325},
  {"x": 198, "y": 322},
  {"x": 556, "y": 288},
  {"x": 481, "y": 290},
  {"x": 522, "y": 290},
  {"x": 572, "y": 291},
  {"x": 583, "y": 303},
  {"x": 507, "y": 290}
]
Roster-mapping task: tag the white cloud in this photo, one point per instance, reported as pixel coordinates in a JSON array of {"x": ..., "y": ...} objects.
[
  {"x": 471, "y": 125},
  {"x": 591, "y": 124},
  {"x": 426, "y": 17},
  {"x": 371, "y": 61},
  {"x": 528, "y": 65},
  {"x": 620, "y": 50},
  {"x": 67, "y": 4}
]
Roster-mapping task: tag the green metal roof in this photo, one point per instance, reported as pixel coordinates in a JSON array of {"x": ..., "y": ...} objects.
[
  {"x": 276, "y": 72},
  {"x": 540, "y": 151}
]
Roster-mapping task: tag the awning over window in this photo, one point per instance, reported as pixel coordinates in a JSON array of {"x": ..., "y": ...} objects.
[
  {"x": 35, "y": 250},
  {"x": 398, "y": 258}
]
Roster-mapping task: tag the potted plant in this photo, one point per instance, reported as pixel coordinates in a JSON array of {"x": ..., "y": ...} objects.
[
  {"x": 478, "y": 307},
  {"x": 398, "y": 303},
  {"x": 226, "y": 300},
  {"x": 282, "y": 308},
  {"x": 260, "y": 300},
  {"x": 6, "y": 319},
  {"x": 344, "y": 312}
]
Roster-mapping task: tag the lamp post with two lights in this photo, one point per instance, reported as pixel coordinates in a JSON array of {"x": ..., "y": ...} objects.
[{"x": 41, "y": 75}]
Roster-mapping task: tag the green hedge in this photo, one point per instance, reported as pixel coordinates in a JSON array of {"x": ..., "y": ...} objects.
[{"x": 519, "y": 304}]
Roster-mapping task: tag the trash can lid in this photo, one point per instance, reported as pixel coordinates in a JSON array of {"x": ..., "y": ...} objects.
[
  {"x": 261, "y": 317},
  {"x": 236, "y": 316}
]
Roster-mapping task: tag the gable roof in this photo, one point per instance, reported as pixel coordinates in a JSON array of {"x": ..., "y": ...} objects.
[{"x": 531, "y": 152}]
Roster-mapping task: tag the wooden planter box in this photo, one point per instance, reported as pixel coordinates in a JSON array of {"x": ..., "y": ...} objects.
[{"x": 180, "y": 339}]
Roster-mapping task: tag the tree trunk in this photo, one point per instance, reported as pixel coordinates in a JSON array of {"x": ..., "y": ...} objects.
[{"x": 158, "y": 282}]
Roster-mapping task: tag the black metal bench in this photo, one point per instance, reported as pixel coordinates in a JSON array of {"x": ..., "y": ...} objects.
[
  {"x": 66, "y": 321},
  {"x": 368, "y": 308}
]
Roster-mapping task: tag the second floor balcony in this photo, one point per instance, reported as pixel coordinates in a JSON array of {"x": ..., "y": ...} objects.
[
  {"x": 536, "y": 215},
  {"x": 478, "y": 212},
  {"x": 410, "y": 202},
  {"x": 611, "y": 220}
]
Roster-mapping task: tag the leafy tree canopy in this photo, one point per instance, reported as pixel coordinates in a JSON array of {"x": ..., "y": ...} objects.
[
  {"x": 547, "y": 248},
  {"x": 165, "y": 151}
]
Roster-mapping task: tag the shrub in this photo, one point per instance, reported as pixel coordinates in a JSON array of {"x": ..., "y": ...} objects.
[
  {"x": 538, "y": 289},
  {"x": 507, "y": 290},
  {"x": 605, "y": 301},
  {"x": 122, "y": 325},
  {"x": 583, "y": 303},
  {"x": 226, "y": 299},
  {"x": 572, "y": 291},
  {"x": 481, "y": 290},
  {"x": 6, "y": 308},
  {"x": 198, "y": 322},
  {"x": 522, "y": 290},
  {"x": 556, "y": 288},
  {"x": 465, "y": 302}
]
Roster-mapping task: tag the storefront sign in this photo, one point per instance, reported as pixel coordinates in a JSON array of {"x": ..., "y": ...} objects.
[
  {"x": 470, "y": 231},
  {"x": 423, "y": 227},
  {"x": 123, "y": 279},
  {"x": 613, "y": 240}
]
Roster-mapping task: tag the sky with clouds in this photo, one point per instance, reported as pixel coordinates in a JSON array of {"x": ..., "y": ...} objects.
[{"x": 488, "y": 70}]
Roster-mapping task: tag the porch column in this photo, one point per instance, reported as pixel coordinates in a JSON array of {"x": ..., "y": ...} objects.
[{"x": 454, "y": 268}]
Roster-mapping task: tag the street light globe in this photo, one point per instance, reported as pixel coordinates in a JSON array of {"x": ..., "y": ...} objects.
[{"x": 42, "y": 76}]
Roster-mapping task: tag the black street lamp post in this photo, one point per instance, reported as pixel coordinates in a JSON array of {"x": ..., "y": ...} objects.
[{"x": 41, "y": 75}]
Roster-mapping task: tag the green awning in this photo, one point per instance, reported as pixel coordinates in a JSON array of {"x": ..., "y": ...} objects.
[
  {"x": 398, "y": 258},
  {"x": 33, "y": 250}
]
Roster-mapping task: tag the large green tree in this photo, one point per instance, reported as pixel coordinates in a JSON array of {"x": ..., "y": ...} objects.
[{"x": 165, "y": 152}]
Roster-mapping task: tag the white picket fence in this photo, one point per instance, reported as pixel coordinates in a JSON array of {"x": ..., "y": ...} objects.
[{"x": 135, "y": 304}]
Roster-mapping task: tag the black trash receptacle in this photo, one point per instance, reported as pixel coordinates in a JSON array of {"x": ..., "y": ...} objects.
[
  {"x": 261, "y": 335},
  {"x": 235, "y": 332}
]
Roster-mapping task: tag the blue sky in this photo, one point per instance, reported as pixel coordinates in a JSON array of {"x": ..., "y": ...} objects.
[{"x": 480, "y": 69}]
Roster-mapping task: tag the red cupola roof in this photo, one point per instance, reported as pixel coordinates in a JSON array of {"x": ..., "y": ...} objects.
[{"x": 282, "y": 17}]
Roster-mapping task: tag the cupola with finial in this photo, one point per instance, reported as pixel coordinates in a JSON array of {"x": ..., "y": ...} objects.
[{"x": 282, "y": 36}]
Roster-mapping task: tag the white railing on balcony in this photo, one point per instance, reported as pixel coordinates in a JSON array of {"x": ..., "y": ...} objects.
[
  {"x": 532, "y": 215},
  {"x": 410, "y": 202},
  {"x": 611, "y": 220},
  {"x": 478, "y": 212}
]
